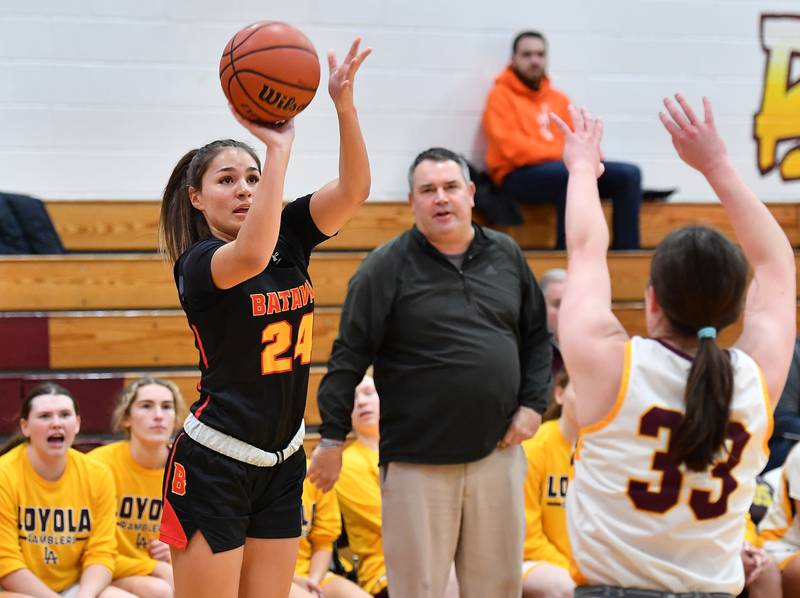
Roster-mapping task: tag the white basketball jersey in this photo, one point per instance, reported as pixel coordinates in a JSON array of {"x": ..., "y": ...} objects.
[
  {"x": 635, "y": 519},
  {"x": 779, "y": 531}
]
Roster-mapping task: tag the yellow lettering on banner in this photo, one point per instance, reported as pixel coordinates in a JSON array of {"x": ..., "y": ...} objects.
[{"x": 779, "y": 116}]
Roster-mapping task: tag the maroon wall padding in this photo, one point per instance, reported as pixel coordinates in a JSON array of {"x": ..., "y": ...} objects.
[
  {"x": 24, "y": 343},
  {"x": 10, "y": 400},
  {"x": 95, "y": 396}
]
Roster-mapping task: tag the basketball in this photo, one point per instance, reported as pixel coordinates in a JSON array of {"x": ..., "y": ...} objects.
[{"x": 269, "y": 72}]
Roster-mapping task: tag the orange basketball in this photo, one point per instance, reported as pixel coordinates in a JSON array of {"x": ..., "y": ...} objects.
[{"x": 269, "y": 72}]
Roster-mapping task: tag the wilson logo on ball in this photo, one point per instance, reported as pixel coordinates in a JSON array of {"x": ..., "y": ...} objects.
[{"x": 273, "y": 97}]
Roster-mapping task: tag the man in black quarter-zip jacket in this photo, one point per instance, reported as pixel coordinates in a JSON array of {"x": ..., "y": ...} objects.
[{"x": 451, "y": 317}]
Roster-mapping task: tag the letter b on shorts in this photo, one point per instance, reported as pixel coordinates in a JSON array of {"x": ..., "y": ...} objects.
[{"x": 178, "y": 479}]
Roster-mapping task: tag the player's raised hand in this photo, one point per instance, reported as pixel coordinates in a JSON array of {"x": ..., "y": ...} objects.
[
  {"x": 342, "y": 76},
  {"x": 697, "y": 141},
  {"x": 581, "y": 145}
]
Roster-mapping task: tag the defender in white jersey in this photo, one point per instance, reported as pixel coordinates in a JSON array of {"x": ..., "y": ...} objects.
[
  {"x": 779, "y": 531},
  {"x": 664, "y": 507},
  {"x": 673, "y": 428}
]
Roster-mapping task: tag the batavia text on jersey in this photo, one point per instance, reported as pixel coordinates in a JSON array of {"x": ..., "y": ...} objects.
[{"x": 279, "y": 301}]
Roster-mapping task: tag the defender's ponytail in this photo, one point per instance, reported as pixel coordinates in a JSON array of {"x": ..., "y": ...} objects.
[
  {"x": 708, "y": 395},
  {"x": 699, "y": 280}
]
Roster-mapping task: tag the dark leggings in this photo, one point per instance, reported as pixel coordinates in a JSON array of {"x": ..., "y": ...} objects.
[{"x": 547, "y": 183}]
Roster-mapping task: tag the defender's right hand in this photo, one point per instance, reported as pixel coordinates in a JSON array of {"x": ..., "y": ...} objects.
[{"x": 697, "y": 141}]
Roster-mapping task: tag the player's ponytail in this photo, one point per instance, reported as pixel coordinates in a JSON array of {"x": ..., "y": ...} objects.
[
  {"x": 708, "y": 395},
  {"x": 46, "y": 388},
  {"x": 181, "y": 225},
  {"x": 699, "y": 279}
]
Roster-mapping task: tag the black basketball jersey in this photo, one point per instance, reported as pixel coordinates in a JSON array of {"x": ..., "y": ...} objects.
[{"x": 254, "y": 339}]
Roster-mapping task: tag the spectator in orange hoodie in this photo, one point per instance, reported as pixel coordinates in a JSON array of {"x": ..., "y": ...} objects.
[{"x": 524, "y": 147}]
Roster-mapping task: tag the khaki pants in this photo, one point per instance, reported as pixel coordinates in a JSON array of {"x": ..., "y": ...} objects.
[{"x": 471, "y": 514}]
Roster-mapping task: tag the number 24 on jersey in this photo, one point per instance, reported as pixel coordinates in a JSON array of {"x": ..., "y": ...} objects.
[{"x": 278, "y": 357}]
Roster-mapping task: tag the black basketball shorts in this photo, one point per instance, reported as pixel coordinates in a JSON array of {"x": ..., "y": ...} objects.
[{"x": 227, "y": 500}]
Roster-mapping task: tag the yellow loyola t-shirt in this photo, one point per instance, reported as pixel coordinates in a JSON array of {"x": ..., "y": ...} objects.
[
  {"x": 138, "y": 492},
  {"x": 548, "y": 454},
  {"x": 55, "y": 529},
  {"x": 322, "y": 524},
  {"x": 359, "y": 492}
]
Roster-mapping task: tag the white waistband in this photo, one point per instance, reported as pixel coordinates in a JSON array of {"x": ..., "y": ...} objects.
[{"x": 235, "y": 448}]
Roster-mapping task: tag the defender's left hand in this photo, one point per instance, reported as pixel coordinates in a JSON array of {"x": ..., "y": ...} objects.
[{"x": 581, "y": 145}]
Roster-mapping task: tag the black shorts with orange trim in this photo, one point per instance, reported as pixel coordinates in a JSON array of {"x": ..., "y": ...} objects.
[{"x": 227, "y": 500}]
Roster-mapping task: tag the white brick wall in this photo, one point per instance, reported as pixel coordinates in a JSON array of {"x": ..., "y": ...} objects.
[{"x": 99, "y": 98}]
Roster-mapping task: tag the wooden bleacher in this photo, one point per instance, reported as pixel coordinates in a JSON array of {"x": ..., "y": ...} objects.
[
  {"x": 144, "y": 281},
  {"x": 161, "y": 339},
  {"x": 60, "y": 316},
  {"x": 133, "y": 225}
]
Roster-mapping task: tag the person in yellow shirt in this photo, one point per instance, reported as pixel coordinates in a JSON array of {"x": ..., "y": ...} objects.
[
  {"x": 779, "y": 531},
  {"x": 546, "y": 554},
  {"x": 322, "y": 525},
  {"x": 359, "y": 492},
  {"x": 56, "y": 506},
  {"x": 149, "y": 411}
]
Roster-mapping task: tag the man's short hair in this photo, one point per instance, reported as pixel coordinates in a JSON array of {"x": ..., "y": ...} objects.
[
  {"x": 438, "y": 154},
  {"x": 551, "y": 276},
  {"x": 524, "y": 34}
]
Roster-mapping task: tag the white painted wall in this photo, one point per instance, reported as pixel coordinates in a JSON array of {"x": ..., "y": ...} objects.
[{"x": 99, "y": 98}]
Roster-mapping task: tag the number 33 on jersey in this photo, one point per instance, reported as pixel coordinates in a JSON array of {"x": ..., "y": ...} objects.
[{"x": 629, "y": 492}]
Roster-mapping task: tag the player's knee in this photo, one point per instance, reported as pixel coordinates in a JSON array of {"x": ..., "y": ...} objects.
[
  {"x": 166, "y": 590},
  {"x": 114, "y": 592},
  {"x": 157, "y": 588},
  {"x": 567, "y": 591}
]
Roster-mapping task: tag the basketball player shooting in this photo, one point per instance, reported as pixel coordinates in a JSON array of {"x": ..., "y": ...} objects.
[{"x": 233, "y": 481}]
